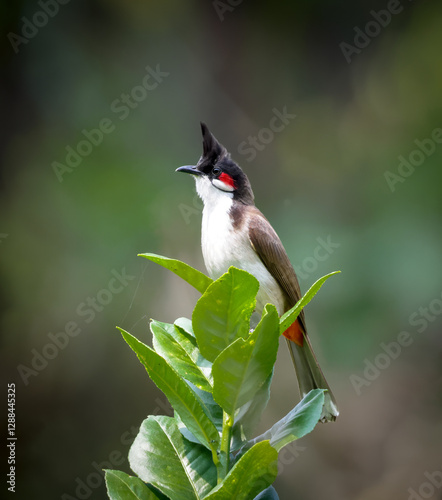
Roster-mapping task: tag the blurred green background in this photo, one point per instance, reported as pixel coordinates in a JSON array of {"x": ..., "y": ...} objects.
[{"x": 321, "y": 178}]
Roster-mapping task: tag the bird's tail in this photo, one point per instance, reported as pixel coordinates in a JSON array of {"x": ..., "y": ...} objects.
[{"x": 310, "y": 376}]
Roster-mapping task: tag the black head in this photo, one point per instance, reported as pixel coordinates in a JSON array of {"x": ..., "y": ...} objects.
[{"x": 224, "y": 174}]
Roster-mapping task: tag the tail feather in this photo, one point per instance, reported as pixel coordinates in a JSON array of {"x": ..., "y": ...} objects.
[{"x": 310, "y": 376}]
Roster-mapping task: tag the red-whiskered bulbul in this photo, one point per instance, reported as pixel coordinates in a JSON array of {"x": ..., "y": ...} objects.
[{"x": 236, "y": 233}]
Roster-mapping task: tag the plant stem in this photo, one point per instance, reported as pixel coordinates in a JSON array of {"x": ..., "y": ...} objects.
[{"x": 224, "y": 455}]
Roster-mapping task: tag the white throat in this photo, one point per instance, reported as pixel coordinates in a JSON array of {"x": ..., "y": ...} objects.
[
  {"x": 210, "y": 194},
  {"x": 216, "y": 230},
  {"x": 223, "y": 246}
]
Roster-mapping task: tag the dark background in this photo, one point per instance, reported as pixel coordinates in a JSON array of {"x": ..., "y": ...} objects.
[{"x": 323, "y": 176}]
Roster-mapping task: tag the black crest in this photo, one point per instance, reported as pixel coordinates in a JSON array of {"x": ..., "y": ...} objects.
[{"x": 212, "y": 149}]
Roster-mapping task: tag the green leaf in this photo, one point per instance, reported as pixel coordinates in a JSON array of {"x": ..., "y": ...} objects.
[
  {"x": 121, "y": 486},
  {"x": 212, "y": 409},
  {"x": 243, "y": 367},
  {"x": 179, "y": 394},
  {"x": 297, "y": 423},
  {"x": 288, "y": 318},
  {"x": 194, "y": 277},
  {"x": 185, "y": 325},
  {"x": 222, "y": 314},
  {"x": 268, "y": 494},
  {"x": 160, "y": 455},
  {"x": 249, "y": 415},
  {"x": 182, "y": 354},
  {"x": 253, "y": 473}
]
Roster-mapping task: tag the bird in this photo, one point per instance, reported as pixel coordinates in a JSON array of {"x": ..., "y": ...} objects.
[{"x": 235, "y": 233}]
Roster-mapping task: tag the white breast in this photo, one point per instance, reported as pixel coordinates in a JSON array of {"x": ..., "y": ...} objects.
[{"x": 223, "y": 246}]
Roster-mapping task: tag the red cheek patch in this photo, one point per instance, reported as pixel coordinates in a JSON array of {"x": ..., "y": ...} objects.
[{"x": 227, "y": 180}]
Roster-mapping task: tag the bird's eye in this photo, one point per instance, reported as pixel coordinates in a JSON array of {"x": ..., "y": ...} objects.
[{"x": 216, "y": 171}]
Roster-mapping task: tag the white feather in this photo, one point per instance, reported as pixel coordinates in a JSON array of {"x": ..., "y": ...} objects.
[
  {"x": 223, "y": 246},
  {"x": 222, "y": 185}
]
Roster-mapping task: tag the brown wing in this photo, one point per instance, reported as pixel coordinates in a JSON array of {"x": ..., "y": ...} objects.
[{"x": 268, "y": 246}]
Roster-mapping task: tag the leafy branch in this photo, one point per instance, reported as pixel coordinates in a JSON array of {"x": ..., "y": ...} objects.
[{"x": 216, "y": 374}]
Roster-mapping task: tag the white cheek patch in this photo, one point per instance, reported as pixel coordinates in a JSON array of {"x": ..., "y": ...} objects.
[{"x": 222, "y": 185}]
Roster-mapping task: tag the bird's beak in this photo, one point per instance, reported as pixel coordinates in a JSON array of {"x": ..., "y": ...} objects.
[{"x": 189, "y": 169}]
